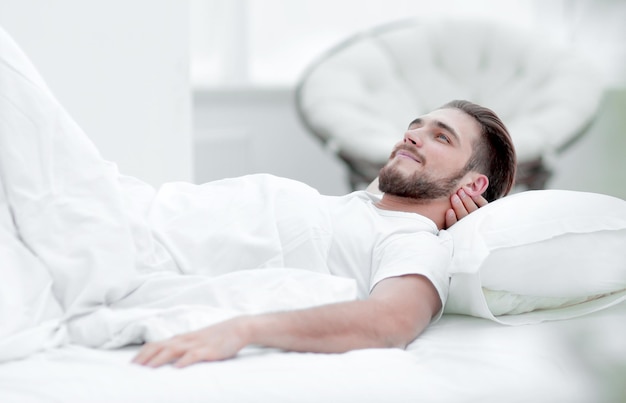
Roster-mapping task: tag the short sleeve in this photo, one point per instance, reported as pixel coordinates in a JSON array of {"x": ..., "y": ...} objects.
[{"x": 422, "y": 253}]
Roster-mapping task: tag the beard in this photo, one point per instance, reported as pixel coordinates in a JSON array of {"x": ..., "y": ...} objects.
[{"x": 418, "y": 186}]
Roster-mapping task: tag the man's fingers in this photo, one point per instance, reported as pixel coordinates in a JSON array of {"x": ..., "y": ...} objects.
[
  {"x": 459, "y": 207},
  {"x": 462, "y": 205},
  {"x": 450, "y": 218},
  {"x": 157, "y": 354},
  {"x": 190, "y": 357},
  {"x": 146, "y": 353},
  {"x": 164, "y": 356},
  {"x": 468, "y": 202},
  {"x": 471, "y": 203},
  {"x": 480, "y": 200}
]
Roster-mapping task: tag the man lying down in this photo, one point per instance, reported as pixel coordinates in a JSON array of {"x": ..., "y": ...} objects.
[
  {"x": 64, "y": 204},
  {"x": 448, "y": 163}
]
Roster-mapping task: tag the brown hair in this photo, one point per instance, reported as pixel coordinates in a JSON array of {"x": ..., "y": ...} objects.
[{"x": 494, "y": 154}]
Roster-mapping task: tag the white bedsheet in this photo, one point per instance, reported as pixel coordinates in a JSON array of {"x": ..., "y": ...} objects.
[{"x": 459, "y": 359}]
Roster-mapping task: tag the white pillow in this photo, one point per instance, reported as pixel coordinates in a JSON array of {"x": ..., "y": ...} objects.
[{"x": 539, "y": 255}]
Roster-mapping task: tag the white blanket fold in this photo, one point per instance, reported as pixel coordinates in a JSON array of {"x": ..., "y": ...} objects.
[
  {"x": 169, "y": 304},
  {"x": 65, "y": 199},
  {"x": 78, "y": 253}
]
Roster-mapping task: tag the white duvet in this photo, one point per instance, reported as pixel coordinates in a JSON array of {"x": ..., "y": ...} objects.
[{"x": 80, "y": 263}]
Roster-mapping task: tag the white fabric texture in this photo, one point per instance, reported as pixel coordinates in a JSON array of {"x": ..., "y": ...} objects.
[
  {"x": 260, "y": 221},
  {"x": 76, "y": 240},
  {"x": 458, "y": 359},
  {"x": 65, "y": 199},
  {"x": 312, "y": 250},
  {"x": 30, "y": 314},
  {"x": 362, "y": 94},
  {"x": 556, "y": 253},
  {"x": 74, "y": 231},
  {"x": 167, "y": 304}
]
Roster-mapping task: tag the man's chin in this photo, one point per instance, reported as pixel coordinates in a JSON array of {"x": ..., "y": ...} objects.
[{"x": 418, "y": 191}]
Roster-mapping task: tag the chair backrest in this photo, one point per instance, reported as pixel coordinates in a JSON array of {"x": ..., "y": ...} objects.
[{"x": 359, "y": 96}]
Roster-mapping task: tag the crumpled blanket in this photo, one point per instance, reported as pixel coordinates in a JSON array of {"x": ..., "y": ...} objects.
[{"x": 79, "y": 261}]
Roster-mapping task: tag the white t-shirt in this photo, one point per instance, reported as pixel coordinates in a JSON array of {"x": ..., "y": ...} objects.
[{"x": 260, "y": 221}]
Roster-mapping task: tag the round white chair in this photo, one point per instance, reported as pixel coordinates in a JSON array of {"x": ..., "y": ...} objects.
[{"x": 359, "y": 96}]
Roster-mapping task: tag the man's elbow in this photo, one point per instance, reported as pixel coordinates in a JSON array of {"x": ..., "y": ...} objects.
[
  {"x": 398, "y": 341},
  {"x": 402, "y": 332},
  {"x": 407, "y": 327}
]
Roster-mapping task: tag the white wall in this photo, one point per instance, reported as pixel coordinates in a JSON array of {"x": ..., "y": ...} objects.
[
  {"x": 246, "y": 131},
  {"x": 121, "y": 70}
]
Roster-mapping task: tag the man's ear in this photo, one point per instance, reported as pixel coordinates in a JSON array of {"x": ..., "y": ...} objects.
[{"x": 476, "y": 184}]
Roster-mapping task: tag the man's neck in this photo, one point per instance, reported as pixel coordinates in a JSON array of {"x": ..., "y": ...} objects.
[{"x": 434, "y": 209}]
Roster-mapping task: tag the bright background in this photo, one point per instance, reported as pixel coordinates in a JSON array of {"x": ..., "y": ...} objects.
[
  {"x": 269, "y": 42},
  {"x": 121, "y": 69},
  {"x": 199, "y": 90},
  {"x": 247, "y": 55}
]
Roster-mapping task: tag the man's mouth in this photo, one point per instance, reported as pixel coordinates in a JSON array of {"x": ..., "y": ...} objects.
[{"x": 403, "y": 153}]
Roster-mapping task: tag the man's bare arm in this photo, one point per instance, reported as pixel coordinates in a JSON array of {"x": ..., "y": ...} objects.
[{"x": 396, "y": 312}]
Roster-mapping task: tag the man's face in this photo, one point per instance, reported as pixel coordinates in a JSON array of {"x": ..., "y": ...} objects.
[{"x": 428, "y": 163}]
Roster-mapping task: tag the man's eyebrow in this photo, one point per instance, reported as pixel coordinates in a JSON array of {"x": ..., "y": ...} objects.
[
  {"x": 448, "y": 129},
  {"x": 417, "y": 121},
  {"x": 440, "y": 124}
]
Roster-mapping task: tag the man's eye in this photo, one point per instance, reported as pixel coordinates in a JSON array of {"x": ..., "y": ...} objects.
[{"x": 443, "y": 137}]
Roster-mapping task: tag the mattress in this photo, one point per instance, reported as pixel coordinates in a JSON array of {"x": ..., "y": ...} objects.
[{"x": 458, "y": 359}]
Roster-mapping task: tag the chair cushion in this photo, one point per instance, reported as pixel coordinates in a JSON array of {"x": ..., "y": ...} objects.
[{"x": 361, "y": 95}]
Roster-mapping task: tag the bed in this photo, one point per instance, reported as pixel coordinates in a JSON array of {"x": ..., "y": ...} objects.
[
  {"x": 458, "y": 359},
  {"x": 535, "y": 312}
]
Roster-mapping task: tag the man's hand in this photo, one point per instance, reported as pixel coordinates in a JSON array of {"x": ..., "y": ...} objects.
[
  {"x": 462, "y": 205},
  {"x": 214, "y": 343}
]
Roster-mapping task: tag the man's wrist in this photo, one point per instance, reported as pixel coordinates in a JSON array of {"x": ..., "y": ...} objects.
[
  {"x": 257, "y": 329},
  {"x": 246, "y": 328}
]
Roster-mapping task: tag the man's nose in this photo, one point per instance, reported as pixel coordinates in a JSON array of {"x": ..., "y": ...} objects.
[{"x": 413, "y": 137}]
